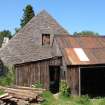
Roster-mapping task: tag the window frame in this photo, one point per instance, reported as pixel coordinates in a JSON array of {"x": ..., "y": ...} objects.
[{"x": 44, "y": 43}]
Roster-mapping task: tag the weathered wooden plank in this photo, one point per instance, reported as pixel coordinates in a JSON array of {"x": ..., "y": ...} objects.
[
  {"x": 30, "y": 73},
  {"x": 4, "y": 95},
  {"x": 73, "y": 79}
]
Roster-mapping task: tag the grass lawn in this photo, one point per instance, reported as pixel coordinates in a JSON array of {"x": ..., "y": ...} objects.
[{"x": 61, "y": 100}]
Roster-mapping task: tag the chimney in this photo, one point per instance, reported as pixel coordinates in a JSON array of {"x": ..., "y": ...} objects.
[{"x": 5, "y": 41}]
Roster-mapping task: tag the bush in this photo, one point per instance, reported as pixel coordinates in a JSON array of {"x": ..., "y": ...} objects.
[
  {"x": 8, "y": 77},
  {"x": 64, "y": 89},
  {"x": 49, "y": 99}
]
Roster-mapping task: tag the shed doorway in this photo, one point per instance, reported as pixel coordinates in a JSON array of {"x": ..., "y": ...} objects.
[
  {"x": 54, "y": 75},
  {"x": 92, "y": 81}
]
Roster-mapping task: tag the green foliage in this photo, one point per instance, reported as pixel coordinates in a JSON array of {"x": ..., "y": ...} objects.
[
  {"x": 28, "y": 13},
  {"x": 83, "y": 100},
  {"x": 62, "y": 100},
  {"x": 98, "y": 101},
  {"x": 49, "y": 99},
  {"x": 37, "y": 85},
  {"x": 102, "y": 102},
  {"x": 86, "y": 33},
  {"x": 4, "y": 33},
  {"x": 8, "y": 77},
  {"x": 72, "y": 100},
  {"x": 27, "y": 16},
  {"x": 64, "y": 89}
]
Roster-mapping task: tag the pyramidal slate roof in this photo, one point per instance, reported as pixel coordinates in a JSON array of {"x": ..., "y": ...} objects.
[
  {"x": 43, "y": 22},
  {"x": 26, "y": 45}
]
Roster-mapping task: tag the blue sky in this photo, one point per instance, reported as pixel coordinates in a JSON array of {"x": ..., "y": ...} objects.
[{"x": 74, "y": 15}]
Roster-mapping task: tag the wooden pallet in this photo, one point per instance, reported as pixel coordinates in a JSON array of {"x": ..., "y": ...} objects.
[{"x": 21, "y": 93}]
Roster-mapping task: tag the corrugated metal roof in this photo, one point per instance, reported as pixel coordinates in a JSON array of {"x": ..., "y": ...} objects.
[{"x": 92, "y": 46}]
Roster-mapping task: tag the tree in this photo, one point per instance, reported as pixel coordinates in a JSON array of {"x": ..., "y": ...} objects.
[
  {"x": 86, "y": 33},
  {"x": 27, "y": 15},
  {"x": 4, "y": 33},
  {"x": 17, "y": 30}
]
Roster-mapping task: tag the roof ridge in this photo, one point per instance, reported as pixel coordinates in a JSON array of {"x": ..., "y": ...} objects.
[
  {"x": 42, "y": 11},
  {"x": 87, "y": 36},
  {"x": 69, "y": 35}
]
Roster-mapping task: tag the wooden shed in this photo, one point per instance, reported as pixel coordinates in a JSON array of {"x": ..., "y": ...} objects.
[
  {"x": 43, "y": 51},
  {"x": 84, "y": 57},
  {"x": 32, "y": 53},
  {"x": 43, "y": 71}
]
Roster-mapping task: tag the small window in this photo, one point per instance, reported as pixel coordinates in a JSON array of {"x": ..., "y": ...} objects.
[{"x": 45, "y": 39}]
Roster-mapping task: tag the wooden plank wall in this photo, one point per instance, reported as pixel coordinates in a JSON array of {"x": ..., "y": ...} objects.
[
  {"x": 73, "y": 79},
  {"x": 30, "y": 73}
]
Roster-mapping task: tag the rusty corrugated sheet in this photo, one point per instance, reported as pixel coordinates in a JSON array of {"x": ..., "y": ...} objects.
[{"x": 93, "y": 47}]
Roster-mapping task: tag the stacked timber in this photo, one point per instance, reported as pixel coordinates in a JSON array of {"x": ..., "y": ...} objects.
[{"x": 19, "y": 94}]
